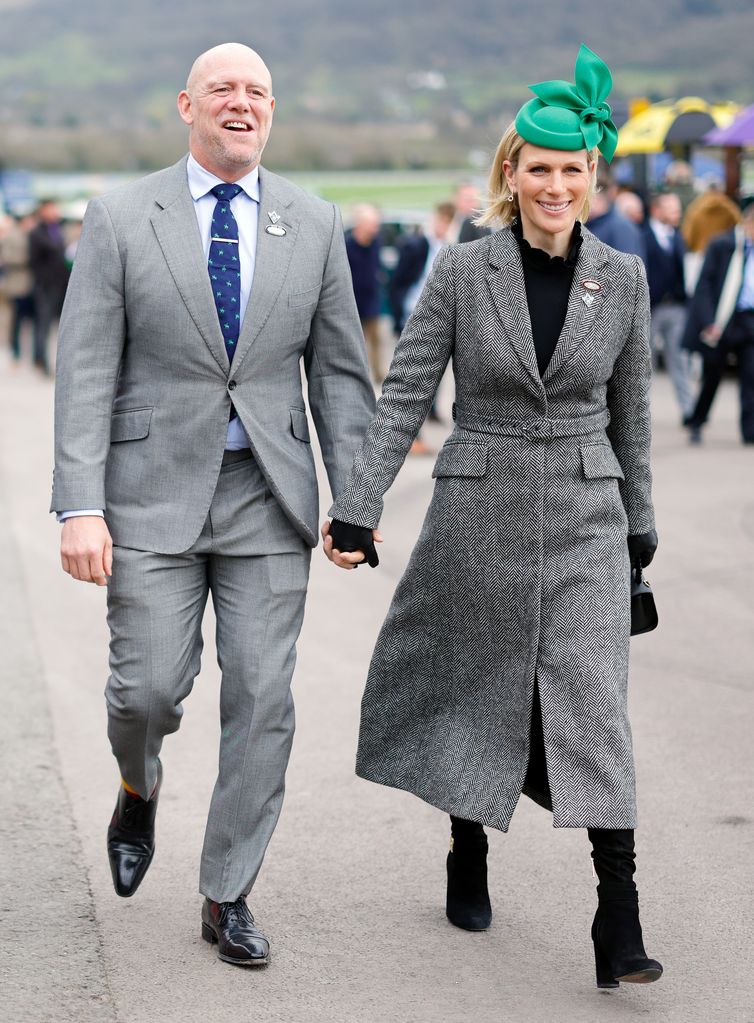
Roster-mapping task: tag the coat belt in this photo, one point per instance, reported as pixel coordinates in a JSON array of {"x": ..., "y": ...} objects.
[{"x": 532, "y": 429}]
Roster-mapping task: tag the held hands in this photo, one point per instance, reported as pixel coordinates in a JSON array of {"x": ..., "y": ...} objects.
[
  {"x": 347, "y": 545},
  {"x": 642, "y": 547},
  {"x": 86, "y": 549}
]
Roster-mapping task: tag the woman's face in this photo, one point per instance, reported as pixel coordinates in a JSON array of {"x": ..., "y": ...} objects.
[{"x": 551, "y": 186}]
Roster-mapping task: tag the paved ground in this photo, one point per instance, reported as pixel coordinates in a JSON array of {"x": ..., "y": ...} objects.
[{"x": 352, "y": 891}]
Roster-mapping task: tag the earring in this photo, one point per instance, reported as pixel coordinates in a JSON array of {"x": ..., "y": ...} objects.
[{"x": 511, "y": 197}]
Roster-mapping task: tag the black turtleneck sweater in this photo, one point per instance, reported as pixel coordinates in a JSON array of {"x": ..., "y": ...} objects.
[{"x": 548, "y": 282}]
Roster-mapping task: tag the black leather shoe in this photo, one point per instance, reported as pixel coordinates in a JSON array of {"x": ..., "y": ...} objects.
[
  {"x": 130, "y": 838},
  {"x": 230, "y": 926}
]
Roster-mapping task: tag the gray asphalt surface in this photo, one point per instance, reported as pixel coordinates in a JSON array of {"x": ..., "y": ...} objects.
[{"x": 352, "y": 892}]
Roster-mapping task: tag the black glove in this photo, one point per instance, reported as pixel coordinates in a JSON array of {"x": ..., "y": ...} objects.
[
  {"x": 642, "y": 547},
  {"x": 347, "y": 538}
]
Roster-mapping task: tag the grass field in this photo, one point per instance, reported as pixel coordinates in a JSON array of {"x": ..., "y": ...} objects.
[{"x": 391, "y": 191}]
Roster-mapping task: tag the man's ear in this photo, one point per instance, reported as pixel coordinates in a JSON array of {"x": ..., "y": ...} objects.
[{"x": 184, "y": 107}]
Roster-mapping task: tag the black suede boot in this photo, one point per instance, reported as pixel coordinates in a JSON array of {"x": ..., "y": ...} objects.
[
  {"x": 616, "y": 931},
  {"x": 468, "y": 901}
]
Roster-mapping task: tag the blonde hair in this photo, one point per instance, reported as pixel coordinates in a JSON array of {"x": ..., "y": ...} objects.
[{"x": 502, "y": 204}]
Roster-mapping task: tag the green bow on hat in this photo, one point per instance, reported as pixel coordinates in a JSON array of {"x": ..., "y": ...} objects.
[{"x": 568, "y": 116}]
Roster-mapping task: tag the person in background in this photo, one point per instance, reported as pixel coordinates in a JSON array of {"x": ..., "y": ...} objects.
[
  {"x": 667, "y": 292},
  {"x": 608, "y": 224},
  {"x": 709, "y": 215},
  {"x": 414, "y": 264},
  {"x": 50, "y": 272},
  {"x": 721, "y": 321},
  {"x": 465, "y": 209},
  {"x": 630, "y": 206},
  {"x": 363, "y": 250},
  {"x": 679, "y": 179},
  {"x": 17, "y": 282}
]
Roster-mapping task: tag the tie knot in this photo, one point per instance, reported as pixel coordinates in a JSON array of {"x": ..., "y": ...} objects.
[{"x": 226, "y": 191}]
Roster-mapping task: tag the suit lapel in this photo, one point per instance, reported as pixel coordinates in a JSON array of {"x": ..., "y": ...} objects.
[
  {"x": 177, "y": 231},
  {"x": 506, "y": 283},
  {"x": 273, "y": 257},
  {"x": 583, "y": 305}
]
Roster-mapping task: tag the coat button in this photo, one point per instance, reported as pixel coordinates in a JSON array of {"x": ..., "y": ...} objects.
[{"x": 232, "y": 385}]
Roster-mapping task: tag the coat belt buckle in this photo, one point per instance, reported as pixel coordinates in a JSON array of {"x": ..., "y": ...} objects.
[{"x": 540, "y": 429}]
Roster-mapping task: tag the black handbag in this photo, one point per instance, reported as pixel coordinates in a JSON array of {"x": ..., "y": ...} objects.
[{"x": 643, "y": 607}]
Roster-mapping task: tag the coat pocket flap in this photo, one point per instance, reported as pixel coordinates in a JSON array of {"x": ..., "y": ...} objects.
[
  {"x": 463, "y": 459},
  {"x": 300, "y": 425},
  {"x": 131, "y": 424},
  {"x": 599, "y": 462}
]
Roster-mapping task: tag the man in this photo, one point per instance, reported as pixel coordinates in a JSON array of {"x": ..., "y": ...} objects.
[
  {"x": 607, "y": 223},
  {"x": 195, "y": 294},
  {"x": 363, "y": 250},
  {"x": 667, "y": 292},
  {"x": 721, "y": 320},
  {"x": 16, "y": 282},
  {"x": 465, "y": 208},
  {"x": 416, "y": 257},
  {"x": 50, "y": 273}
]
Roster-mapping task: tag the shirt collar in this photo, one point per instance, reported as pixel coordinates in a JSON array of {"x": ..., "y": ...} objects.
[{"x": 200, "y": 181}]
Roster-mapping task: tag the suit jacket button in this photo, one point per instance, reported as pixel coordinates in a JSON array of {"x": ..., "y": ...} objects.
[{"x": 232, "y": 385}]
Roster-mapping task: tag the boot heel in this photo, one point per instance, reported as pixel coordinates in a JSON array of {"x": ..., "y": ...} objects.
[
  {"x": 605, "y": 978},
  {"x": 208, "y": 934}
]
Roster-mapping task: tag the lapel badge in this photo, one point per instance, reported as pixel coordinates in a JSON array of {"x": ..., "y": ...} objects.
[
  {"x": 592, "y": 287},
  {"x": 272, "y": 227}
]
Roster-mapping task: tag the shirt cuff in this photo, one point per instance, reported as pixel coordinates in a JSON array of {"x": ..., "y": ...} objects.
[{"x": 63, "y": 515}]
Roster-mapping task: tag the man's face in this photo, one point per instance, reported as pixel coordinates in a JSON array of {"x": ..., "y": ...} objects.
[
  {"x": 668, "y": 210},
  {"x": 49, "y": 213},
  {"x": 228, "y": 108},
  {"x": 466, "y": 200},
  {"x": 440, "y": 226}
]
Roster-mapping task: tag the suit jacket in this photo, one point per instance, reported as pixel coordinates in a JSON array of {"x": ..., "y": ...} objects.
[
  {"x": 618, "y": 232},
  {"x": 665, "y": 269},
  {"x": 521, "y": 570},
  {"x": 410, "y": 267},
  {"x": 709, "y": 288},
  {"x": 144, "y": 385},
  {"x": 47, "y": 260}
]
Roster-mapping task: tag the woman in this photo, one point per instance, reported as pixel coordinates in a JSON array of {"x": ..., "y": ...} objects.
[{"x": 502, "y": 664}]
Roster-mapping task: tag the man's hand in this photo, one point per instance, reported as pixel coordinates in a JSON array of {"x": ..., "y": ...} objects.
[
  {"x": 345, "y": 559},
  {"x": 86, "y": 549},
  {"x": 711, "y": 335}
]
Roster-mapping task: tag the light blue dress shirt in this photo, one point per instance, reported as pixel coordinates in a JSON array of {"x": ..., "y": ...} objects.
[{"x": 245, "y": 208}]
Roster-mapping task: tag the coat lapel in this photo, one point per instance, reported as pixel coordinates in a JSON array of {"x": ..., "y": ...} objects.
[
  {"x": 177, "y": 231},
  {"x": 583, "y": 305},
  {"x": 273, "y": 257},
  {"x": 506, "y": 283}
]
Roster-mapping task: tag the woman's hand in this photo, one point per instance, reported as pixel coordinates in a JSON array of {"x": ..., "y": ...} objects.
[{"x": 347, "y": 545}]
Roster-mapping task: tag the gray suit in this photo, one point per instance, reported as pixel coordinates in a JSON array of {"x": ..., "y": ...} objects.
[
  {"x": 521, "y": 570},
  {"x": 144, "y": 390}
]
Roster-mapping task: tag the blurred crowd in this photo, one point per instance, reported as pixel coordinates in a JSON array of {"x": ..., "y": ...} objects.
[
  {"x": 697, "y": 246},
  {"x": 696, "y": 243},
  {"x": 36, "y": 254}
]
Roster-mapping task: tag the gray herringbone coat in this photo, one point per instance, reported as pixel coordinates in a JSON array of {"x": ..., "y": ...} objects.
[{"x": 521, "y": 569}]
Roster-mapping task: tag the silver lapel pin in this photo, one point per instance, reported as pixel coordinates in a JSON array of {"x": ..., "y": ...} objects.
[
  {"x": 592, "y": 287},
  {"x": 587, "y": 299},
  {"x": 272, "y": 227}
]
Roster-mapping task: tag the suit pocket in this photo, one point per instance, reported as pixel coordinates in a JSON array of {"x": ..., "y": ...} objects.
[
  {"x": 461, "y": 459},
  {"x": 304, "y": 298},
  {"x": 300, "y": 425},
  {"x": 599, "y": 462},
  {"x": 131, "y": 424}
]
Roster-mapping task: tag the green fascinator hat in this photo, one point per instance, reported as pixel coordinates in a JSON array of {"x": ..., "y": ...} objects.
[{"x": 572, "y": 116}]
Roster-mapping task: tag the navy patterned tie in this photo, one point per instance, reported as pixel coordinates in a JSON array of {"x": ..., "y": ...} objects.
[{"x": 225, "y": 265}]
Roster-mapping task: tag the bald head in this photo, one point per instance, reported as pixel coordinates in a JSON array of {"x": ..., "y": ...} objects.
[
  {"x": 216, "y": 58},
  {"x": 228, "y": 105}
]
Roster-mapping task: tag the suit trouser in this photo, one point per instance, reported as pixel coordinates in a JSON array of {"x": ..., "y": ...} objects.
[
  {"x": 256, "y": 567},
  {"x": 668, "y": 324}
]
